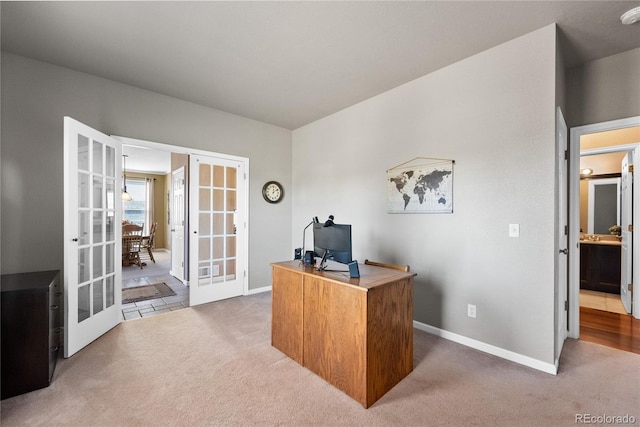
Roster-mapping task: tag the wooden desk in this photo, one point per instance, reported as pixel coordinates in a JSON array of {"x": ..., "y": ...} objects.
[{"x": 355, "y": 333}]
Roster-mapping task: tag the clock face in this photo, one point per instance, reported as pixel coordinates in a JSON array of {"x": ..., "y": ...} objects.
[{"x": 272, "y": 192}]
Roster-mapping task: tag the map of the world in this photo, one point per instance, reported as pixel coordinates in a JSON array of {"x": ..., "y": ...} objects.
[{"x": 421, "y": 189}]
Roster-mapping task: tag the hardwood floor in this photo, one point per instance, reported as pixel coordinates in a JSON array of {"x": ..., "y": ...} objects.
[{"x": 620, "y": 331}]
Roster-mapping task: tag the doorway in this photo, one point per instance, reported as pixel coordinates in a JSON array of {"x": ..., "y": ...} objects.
[
  {"x": 575, "y": 232},
  {"x": 152, "y": 169},
  {"x": 205, "y": 200}
]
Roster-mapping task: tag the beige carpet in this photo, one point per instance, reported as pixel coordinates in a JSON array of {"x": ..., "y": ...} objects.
[{"x": 213, "y": 365}]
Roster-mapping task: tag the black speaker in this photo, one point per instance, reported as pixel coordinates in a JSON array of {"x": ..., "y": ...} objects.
[
  {"x": 298, "y": 254},
  {"x": 309, "y": 259},
  {"x": 354, "y": 271}
]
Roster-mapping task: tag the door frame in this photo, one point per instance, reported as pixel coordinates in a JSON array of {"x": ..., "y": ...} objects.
[
  {"x": 574, "y": 218},
  {"x": 561, "y": 282},
  {"x": 186, "y": 150}
]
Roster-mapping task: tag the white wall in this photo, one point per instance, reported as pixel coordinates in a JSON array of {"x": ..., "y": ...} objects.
[
  {"x": 605, "y": 89},
  {"x": 35, "y": 98},
  {"x": 494, "y": 114}
]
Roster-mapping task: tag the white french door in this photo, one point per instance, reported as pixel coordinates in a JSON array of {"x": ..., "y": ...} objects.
[
  {"x": 217, "y": 228},
  {"x": 92, "y": 234}
]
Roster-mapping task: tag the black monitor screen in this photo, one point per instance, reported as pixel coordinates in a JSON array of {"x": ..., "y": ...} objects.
[{"x": 335, "y": 239}]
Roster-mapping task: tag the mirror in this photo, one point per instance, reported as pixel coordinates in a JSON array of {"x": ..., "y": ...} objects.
[{"x": 604, "y": 205}]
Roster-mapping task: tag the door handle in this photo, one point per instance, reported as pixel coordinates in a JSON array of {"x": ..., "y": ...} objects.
[{"x": 564, "y": 251}]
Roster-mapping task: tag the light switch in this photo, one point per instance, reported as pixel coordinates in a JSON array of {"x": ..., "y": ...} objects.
[{"x": 514, "y": 230}]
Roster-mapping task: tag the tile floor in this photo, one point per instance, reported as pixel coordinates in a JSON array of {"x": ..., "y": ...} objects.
[
  {"x": 154, "y": 273},
  {"x": 601, "y": 301}
]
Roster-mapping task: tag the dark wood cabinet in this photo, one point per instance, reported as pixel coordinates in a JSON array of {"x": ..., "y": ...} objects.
[
  {"x": 31, "y": 330},
  {"x": 600, "y": 267}
]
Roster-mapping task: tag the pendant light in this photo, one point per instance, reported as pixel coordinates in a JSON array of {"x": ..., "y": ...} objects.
[{"x": 125, "y": 196}]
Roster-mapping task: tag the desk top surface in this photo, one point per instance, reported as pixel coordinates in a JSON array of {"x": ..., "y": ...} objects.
[{"x": 370, "y": 276}]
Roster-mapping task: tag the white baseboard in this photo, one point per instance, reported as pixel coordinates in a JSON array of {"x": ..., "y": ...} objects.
[
  {"x": 549, "y": 368},
  {"x": 259, "y": 290}
]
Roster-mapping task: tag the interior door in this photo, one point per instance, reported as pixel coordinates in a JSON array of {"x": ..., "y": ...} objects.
[
  {"x": 562, "y": 201},
  {"x": 626, "y": 219},
  {"x": 217, "y": 210},
  {"x": 92, "y": 234},
  {"x": 177, "y": 224}
]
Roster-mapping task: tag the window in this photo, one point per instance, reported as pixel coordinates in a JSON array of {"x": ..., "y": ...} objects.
[{"x": 135, "y": 210}]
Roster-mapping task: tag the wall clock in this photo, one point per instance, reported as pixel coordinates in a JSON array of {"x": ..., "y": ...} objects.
[{"x": 272, "y": 192}]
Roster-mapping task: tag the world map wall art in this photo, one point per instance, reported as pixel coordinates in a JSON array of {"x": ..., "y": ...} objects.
[{"x": 421, "y": 185}]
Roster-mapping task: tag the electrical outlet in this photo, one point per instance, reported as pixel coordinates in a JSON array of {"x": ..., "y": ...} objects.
[
  {"x": 471, "y": 310},
  {"x": 514, "y": 230}
]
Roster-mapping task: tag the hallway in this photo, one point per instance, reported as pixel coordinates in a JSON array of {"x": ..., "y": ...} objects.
[{"x": 621, "y": 331}]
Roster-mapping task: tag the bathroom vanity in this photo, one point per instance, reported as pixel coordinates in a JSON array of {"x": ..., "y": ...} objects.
[{"x": 600, "y": 265}]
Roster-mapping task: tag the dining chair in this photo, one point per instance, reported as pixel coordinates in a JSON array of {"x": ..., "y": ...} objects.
[
  {"x": 148, "y": 242},
  {"x": 131, "y": 247},
  {"x": 129, "y": 228}
]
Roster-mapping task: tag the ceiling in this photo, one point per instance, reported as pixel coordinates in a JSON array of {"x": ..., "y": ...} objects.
[
  {"x": 146, "y": 160},
  {"x": 291, "y": 63}
]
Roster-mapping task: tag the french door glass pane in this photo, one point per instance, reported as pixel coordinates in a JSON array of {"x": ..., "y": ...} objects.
[
  {"x": 83, "y": 228},
  {"x": 218, "y": 223},
  {"x": 218, "y": 200},
  {"x": 231, "y": 223},
  {"x": 231, "y": 178},
  {"x": 97, "y": 226},
  {"x": 231, "y": 247},
  {"x": 109, "y": 258},
  {"x": 97, "y": 261},
  {"x": 110, "y": 291},
  {"x": 205, "y": 224},
  {"x": 83, "y": 303},
  {"x": 97, "y": 192},
  {"x": 83, "y": 264},
  {"x": 231, "y": 200},
  {"x": 97, "y": 296},
  {"x": 97, "y": 157},
  {"x": 110, "y": 227},
  {"x": 83, "y": 153},
  {"x": 218, "y": 176},
  {"x": 110, "y": 162},
  {"x": 204, "y": 248},
  {"x": 83, "y": 190},
  {"x": 218, "y": 247},
  {"x": 110, "y": 186}
]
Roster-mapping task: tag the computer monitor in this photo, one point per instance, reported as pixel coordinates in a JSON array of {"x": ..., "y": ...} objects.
[{"x": 333, "y": 242}]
